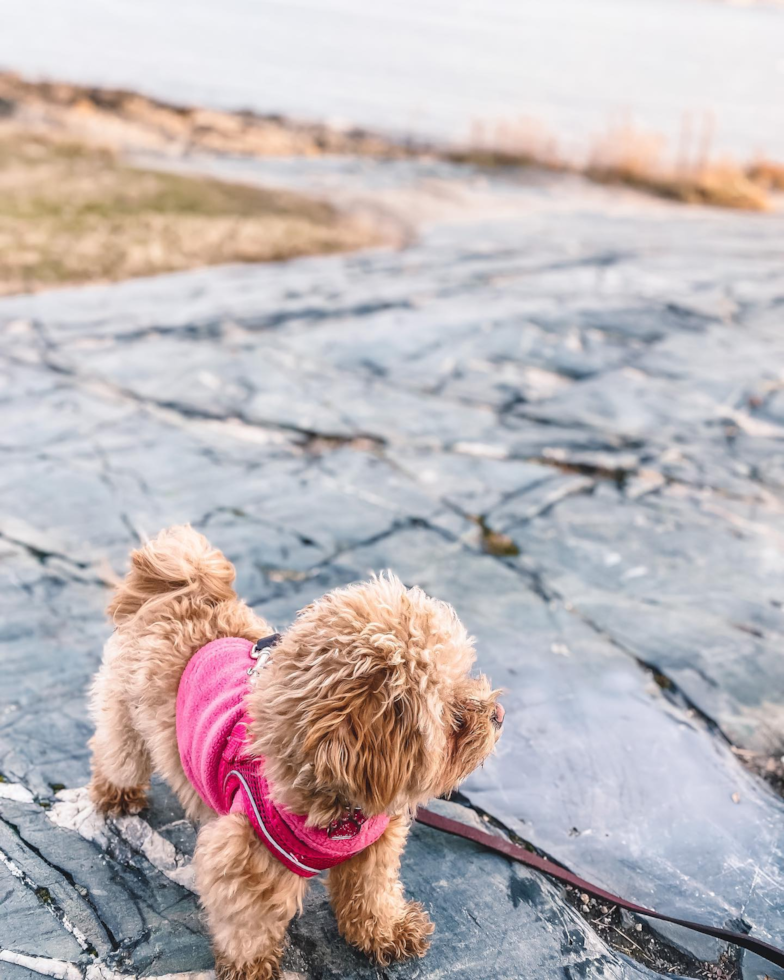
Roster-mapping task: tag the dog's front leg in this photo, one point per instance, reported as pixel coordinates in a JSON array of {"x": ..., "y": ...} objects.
[
  {"x": 249, "y": 898},
  {"x": 371, "y": 909}
]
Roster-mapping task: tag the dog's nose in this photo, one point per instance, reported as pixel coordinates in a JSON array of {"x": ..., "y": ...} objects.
[{"x": 499, "y": 713}]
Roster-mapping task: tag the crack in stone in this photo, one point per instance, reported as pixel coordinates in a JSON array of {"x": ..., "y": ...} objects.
[
  {"x": 44, "y": 555},
  {"x": 81, "y": 891},
  {"x": 44, "y": 897},
  {"x": 188, "y": 413},
  {"x": 399, "y": 524},
  {"x": 619, "y": 475},
  {"x": 216, "y": 329}
]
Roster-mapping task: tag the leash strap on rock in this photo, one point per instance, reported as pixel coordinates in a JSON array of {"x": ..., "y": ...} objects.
[{"x": 517, "y": 853}]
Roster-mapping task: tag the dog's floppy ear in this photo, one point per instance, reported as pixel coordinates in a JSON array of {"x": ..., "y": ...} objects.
[{"x": 366, "y": 753}]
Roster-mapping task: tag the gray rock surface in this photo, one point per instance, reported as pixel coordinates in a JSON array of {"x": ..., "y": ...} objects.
[{"x": 562, "y": 415}]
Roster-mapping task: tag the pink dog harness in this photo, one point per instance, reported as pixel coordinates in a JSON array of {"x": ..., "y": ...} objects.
[{"x": 212, "y": 720}]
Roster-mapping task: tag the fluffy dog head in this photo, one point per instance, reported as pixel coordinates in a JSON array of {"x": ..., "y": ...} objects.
[{"x": 369, "y": 702}]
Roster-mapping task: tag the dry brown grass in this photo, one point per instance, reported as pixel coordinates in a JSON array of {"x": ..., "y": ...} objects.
[
  {"x": 524, "y": 142},
  {"x": 628, "y": 156},
  {"x": 767, "y": 174},
  {"x": 71, "y": 213}
]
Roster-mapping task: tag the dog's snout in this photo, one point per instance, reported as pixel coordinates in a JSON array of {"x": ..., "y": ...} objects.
[{"x": 498, "y": 714}]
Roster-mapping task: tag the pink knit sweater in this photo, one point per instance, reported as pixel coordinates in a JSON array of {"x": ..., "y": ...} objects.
[{"x": 211, "y": 734}]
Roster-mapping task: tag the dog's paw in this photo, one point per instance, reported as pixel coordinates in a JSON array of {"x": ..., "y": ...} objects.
[
  {"x": 410, "y": 935},
  {"x": 402, "y": 938},
  {"x": 115, "y": 800},
  {"x": 265, "y": 968}
]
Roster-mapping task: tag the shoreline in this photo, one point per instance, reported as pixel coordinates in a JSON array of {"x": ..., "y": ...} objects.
[
  {"x": 123, "y": 120},
  {"x": 116, "y": 117}
]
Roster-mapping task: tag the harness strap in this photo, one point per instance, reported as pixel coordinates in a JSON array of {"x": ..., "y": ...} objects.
[{"x": 502, "y": 846}]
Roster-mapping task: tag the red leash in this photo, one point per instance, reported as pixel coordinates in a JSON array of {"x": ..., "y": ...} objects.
[{"x": 517, "y": 853}]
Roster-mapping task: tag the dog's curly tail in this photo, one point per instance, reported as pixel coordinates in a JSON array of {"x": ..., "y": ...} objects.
[{"x": 178, "y": 562}]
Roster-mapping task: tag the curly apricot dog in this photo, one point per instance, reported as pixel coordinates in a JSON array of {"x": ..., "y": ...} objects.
[{"x": 298, "y": 753}]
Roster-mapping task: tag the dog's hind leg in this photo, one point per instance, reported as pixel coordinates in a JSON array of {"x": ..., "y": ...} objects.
[{"x": 120, "y": 762}]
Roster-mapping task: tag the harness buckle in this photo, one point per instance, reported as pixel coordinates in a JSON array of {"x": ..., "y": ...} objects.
[{"x": 348, "y": 826}]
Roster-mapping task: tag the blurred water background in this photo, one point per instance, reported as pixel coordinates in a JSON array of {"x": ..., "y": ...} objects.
[{"x": 699, "y": 70}]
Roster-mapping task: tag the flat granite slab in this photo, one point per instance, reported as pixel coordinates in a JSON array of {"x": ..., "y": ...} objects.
[{"x": 568, "y": 422}]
